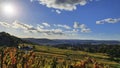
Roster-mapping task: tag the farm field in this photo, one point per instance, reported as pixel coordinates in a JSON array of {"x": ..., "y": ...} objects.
[{"x": 50, "y": 57}]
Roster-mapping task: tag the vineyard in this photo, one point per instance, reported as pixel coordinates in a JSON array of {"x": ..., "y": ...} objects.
[{"x": 12, "y": 57}]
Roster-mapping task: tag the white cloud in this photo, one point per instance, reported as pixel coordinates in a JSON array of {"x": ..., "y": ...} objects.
[
  {"x": 77, "y": 25},
  {"x": 18, "y": 24},
  {"x": 51, "y": 31},
  {"x": 85, "y": 30},
  {"x": 100, "y": 22},
  {"x": 108, "y": 20},
  {"x": 39, "y": 29},
  {"x": 68, "y": 5},
  {"x": 46, "y": 24},
  {"x": 83, "y": 27},
  {"x": 57, "y": 30},
  {"x": 58, "y": 11},
  {"x": 31, "y": 29},
  {"x": 40, "y": 26},
  {"x": 5, "y": 24},
  {"x": 73, "y": 31},
  {"x": 62, "y": 26}
]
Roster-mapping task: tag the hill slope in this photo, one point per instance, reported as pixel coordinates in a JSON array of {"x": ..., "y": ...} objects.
[{"x": 9, "y": 40}]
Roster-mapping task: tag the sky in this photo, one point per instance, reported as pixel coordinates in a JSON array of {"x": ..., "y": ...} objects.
[{"x": 61, "y": 19}]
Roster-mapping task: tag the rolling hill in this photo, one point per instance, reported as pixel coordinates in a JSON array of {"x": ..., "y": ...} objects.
[
  {"x": 9, "y": 40},
  {"x": 71, "y": 41},
  {"x": 48, "y": 51}
]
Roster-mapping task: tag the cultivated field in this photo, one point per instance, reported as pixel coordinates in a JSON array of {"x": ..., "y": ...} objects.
[{"x": 50, "y": 57}]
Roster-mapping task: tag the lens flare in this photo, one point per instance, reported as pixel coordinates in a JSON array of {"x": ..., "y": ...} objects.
[{"x": 8, "y": 9}]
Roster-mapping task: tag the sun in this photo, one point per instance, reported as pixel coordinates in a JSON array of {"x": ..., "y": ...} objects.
[{"x": 8, "y": 9}]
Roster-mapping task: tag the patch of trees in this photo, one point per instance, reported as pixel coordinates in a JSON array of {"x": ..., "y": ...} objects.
[{"x": 111, "y": 50}]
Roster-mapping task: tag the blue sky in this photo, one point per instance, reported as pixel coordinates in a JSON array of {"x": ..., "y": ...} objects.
[{"x": 59, "y": 19}]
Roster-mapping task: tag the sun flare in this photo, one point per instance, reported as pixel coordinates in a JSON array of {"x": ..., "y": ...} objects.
[{"x": 8, "y": 9}]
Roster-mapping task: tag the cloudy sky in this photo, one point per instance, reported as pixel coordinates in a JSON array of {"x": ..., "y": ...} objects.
[{"x": 61, "y": 19}]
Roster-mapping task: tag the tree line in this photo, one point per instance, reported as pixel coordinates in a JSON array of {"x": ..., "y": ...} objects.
[{"x": 112, "y": 50}]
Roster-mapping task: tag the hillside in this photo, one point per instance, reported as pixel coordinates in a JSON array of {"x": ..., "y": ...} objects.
[
  {"x": 74, "y": 56},
  {"x": 46, "y": 56},
  {"x": 9, "y": 40}
]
